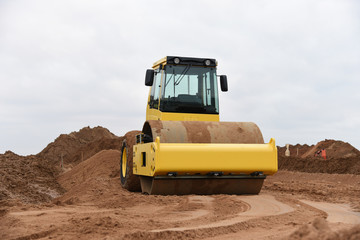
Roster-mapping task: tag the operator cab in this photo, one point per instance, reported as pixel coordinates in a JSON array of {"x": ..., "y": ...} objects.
[{"x": 185, "y": 86}]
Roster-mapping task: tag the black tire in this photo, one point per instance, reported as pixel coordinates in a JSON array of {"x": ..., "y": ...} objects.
[{"x": 128, "y": 180}]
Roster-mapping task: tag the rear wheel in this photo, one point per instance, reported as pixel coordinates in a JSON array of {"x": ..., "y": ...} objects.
[{"x": 128, "y": 180}]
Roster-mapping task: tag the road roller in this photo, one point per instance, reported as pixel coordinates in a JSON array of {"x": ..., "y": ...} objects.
[{"x": 183, "y": 147}]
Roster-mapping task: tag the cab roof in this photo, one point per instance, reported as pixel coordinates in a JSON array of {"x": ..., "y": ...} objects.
[{"x": 176, "y": 60}]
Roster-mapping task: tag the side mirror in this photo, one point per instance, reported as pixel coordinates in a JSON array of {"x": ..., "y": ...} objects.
[
  {"x": 149, "y": 77},
  {"x": 223, "y": 83}
]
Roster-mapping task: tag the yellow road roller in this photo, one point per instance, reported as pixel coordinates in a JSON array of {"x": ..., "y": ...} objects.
[{"x": 183, "y": 147}]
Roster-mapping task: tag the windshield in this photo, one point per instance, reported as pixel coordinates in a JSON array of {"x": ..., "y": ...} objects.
[{"x": 189, "y": 89}]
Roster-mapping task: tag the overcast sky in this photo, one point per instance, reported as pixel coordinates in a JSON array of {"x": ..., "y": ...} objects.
[{"x": 293, "y": 66}]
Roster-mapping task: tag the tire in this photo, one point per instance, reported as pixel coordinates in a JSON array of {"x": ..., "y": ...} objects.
[{"x": 128, "y": 180}]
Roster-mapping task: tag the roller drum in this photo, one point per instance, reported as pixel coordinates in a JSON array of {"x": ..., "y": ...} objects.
[{"x": 203, "y": 132}]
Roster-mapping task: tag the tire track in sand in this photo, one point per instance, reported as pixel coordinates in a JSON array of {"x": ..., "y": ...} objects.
[
  {"x": 259, "y": 206},
  {"x": 337, "y": 213}
]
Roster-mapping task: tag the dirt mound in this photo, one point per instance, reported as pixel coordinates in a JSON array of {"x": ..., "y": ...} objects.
[
  {"x": 342, "y": 158},
  {"x": 102, "y": 164},
  {"x": 32, "y": 179},
  {"x": 95, "y": 179},
  {"x": 77, "y": 146},
  {"x": 27, "y": 179},
  {"x": 91, "y": 148},
  {"x": 349, "y": 165},
  {"x": 91, "y": 134},
  {"x": 319, "y": 229},
  {"x": 334, "y": 149}
]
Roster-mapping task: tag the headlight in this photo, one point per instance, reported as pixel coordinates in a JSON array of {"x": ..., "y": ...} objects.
[
  {"x": 176, "y": 60},
  {"x": 207, "y": 62}
]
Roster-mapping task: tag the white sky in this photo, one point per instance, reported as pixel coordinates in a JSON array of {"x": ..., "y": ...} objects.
[{"x": 293, "y": 66}]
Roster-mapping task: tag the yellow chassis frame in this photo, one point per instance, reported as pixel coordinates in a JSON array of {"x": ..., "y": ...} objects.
[{"x": 160, "y": 159}]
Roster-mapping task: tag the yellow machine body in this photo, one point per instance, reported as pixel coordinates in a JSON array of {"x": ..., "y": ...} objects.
[{"x": 199, "y": 149}]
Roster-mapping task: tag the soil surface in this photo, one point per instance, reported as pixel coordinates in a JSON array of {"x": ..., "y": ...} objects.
[{"x": 84, "y": 199}]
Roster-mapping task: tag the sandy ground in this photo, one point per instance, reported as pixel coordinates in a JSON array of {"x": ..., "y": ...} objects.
[{"x": 292, "y": 205}]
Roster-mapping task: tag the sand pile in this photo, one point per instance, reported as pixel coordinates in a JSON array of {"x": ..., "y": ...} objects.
[
  {"x": 342, "y": 158},
  {"x": 91, "y": 178},
  {"x": 349, "y": 165},
  {"x": 334, "y": 149},
  {"x": 77, "y": 146},
  {"x": 32, "y": 179},
  {"x": 97, "y": 180},
  {"x": 27, "y": 179}
]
